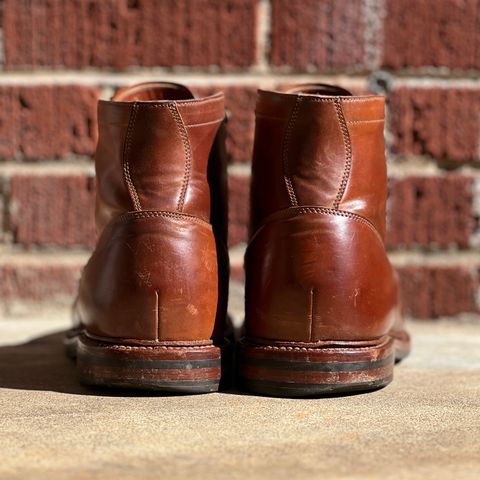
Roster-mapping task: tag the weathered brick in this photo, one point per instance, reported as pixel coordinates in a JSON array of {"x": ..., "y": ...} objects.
[
  {"x": 120, "y": 33},
  {"x": 52, "y": 210},
  {"x": 239, "y": 207},
  {"x": 38, "y": 283},
  {"x": 432, "y": 33},
  {"x": 324, "y": 34},
  {"x": 436, "y": 291},
  {"x": 440, "y": 122},
  {"x": 47, "y": 121},
  {"x": 431, "y": 212}
]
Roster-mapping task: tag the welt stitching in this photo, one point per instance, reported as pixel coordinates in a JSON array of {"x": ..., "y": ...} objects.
[
  {"x": 188, "y": 154},
  {"x": 286, "y": 146},
  {"x": 319, "y": 347},
  {"x": 155, "y": 347},
  {"x": 348, "y": 153},
  {"x": 126, "y": 154}
]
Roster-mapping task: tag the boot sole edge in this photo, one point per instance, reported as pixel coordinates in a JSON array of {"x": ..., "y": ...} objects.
[{"x": 179, "y": 369}]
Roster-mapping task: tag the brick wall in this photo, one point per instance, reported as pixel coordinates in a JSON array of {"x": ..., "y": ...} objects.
[{"x": 59, "y": 56}]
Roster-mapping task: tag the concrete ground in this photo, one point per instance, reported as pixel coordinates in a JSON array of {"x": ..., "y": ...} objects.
[{"x": 426, "y": 424}]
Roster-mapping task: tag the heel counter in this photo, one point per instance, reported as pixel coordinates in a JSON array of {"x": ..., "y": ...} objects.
[
  {"x": 153, "y": 277},
  {"x": 318, "y": 275}
]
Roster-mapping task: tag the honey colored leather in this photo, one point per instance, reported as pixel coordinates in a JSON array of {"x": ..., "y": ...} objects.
[
  {"x": 316, "y": 266},
  {"x": 159, "y": 271}
]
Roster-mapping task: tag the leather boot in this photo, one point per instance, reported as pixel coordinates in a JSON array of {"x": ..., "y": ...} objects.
[
  {"x": 322, "y": 302},
  {"x": 152, "y": 299}
]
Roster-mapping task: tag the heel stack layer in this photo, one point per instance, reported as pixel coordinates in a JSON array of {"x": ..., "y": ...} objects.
[
  {"x": 307, "y": 371},
  {"x": 177, "y": 369}
]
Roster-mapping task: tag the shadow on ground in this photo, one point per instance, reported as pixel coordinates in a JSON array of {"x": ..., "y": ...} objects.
[{"x": 40, "y": 364}]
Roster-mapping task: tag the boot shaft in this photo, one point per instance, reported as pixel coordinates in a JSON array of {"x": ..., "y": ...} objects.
[
  {"x": 154, "y": 153},
  {"x": 319, "y": 146},
  {"x": 316, "y": 267},
  {"x": 159, "y": 272}
]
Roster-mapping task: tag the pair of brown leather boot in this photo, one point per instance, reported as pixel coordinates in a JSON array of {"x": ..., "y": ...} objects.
[{"x": 322, "y": 307}]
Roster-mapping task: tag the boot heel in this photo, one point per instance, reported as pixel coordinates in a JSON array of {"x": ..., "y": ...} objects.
[
  {"x": 305, "y": 371},
  {"x": 176, "y": 369}
]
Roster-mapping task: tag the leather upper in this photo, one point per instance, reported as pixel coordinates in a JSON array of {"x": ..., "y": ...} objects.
[
  {"x": 153, "y": 154},
  {"x": 160, "y": 269},
  {"x": 318, "y": 149},
  {"x": 316, "y": 267}
]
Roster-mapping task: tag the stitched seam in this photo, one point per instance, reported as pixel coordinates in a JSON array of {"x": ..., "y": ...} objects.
[
  {"x": 355, "y": 122},
  {"x": 188, "y": 154},
  {"x": 203, "y": 101},
  {"x": 192, "y": 125},
  {"x": 156, "y": 347},
  {"x": 140, "y": 215},
  {"x": 319, "y": 348},
  {"x": 167, "y": 103},
  {"x": 126, "y": 154},
  {"x": 348, "y": 154},
  {"x": 286, "y": 145},
  {"x": 383, "y": 340},
  {"x": 344, "y": 99},
  {"x": 340, "y": 213},
  {"x": 319, "y": 210}
]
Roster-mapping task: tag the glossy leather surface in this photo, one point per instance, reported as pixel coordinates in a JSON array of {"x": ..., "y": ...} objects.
[
  {"x": 159, "y": 272},
  {"x": 316, "y": 266}
]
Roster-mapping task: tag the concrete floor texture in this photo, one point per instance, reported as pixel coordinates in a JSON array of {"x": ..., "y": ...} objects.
[{"x": 426, "y": 424}]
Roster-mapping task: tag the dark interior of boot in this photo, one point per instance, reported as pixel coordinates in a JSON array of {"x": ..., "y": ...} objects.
[
  {"x": 318, "y": 89},
  {"x": 150, "y": 92}
]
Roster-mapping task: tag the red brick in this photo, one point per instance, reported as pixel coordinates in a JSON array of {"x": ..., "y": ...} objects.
[
  {"x": 239, "y": 207},
  {"x": 431, "y": 292},
  {"x": 52, "y": 210},
  {"x": 325, "y": 34},
  {"x": 240, "y": 106},
  {"x": 237, "y": 273},
  {"x": 432, "y": 33},
  {"x": 431, "y": 212},
  {"x": 38, "y": 283},
  {"x": 2, "y": 210},
  {"x": 47, "y": 121},
  {"x": 120, "y": 33},
  {"x": 438, "y": 122}
]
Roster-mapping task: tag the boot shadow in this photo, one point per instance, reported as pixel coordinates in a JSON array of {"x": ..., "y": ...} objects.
[
  {"x": 42, "y": 364},
  {"x": 39, "y": 364}
]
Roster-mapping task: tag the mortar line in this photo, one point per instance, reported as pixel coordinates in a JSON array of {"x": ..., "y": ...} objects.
[{"x": 264, "y": 16}]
